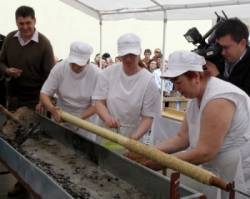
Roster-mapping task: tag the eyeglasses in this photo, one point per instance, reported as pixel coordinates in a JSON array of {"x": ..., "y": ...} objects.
[{"x": 226, "y": 47}]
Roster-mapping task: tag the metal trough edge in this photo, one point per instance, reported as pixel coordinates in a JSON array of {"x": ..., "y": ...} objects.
[{"x": 33, "y": 177}]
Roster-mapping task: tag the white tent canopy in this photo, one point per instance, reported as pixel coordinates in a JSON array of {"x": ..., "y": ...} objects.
[
  {"x": 159, "y": 10},
  {"x": 154, "y": 9}
]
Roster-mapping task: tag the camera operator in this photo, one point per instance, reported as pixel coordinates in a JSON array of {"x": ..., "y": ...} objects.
[{"x": 232, "y": 36}]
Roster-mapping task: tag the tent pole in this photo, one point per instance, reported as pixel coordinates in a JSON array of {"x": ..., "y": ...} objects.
[
  {"x": 164, "y": 37},
  {"x": 100, "y": 23},
  {"x": 163, "y": 57}
]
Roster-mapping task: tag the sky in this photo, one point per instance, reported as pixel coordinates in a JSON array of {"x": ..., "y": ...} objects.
[{"x": 63, "y": 24}]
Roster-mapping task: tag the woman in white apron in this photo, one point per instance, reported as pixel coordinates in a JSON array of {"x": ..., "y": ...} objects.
[
  {"x": 215, "y": 131},
  {"x": 127, "y": 98},
  {"x": 73, "y": 81}
]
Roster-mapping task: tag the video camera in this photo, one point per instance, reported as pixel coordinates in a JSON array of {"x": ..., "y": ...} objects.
[{"x": 209, "y": 49}]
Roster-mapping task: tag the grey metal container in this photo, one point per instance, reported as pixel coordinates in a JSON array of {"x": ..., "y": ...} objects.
[{"x": 46, "y": 187}]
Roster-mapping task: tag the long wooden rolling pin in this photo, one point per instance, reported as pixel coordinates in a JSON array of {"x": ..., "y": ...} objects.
[{"x": 150, "y": 152}]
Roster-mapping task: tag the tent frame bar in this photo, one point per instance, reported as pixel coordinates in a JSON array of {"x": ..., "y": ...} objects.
[
  {"x": 175, "y": 7},
  {"x": 78, "y": 4}
]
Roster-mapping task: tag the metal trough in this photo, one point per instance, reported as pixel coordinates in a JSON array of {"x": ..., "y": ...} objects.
[{"x": 44, "y": 186}]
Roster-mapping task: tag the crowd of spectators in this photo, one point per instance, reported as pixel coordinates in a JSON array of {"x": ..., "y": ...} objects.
[{"x": 144, "y": 62}]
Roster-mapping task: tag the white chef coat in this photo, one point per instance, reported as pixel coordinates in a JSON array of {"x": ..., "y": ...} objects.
[
  {"x": 128, "y": 97},
  {"x": 229, "y": 162},
  {"x": 74, "y": 90}
]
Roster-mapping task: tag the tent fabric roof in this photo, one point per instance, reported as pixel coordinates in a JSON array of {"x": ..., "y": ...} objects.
[{"x": 154, "y": 9}]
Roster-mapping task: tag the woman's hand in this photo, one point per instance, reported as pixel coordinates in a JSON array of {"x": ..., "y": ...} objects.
[
  {"x": 153, "y": 165},
  {"x": 135, "y": 156},
  {"x": 112, "y": 122},
  {"x": 40, "y": 108},
  {"x": 143, "y": 160},
  {"x": 55, "y": 112}
]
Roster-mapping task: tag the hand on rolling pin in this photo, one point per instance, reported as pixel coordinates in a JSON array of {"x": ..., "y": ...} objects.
[
  {"x": 133, "y": 136},
  {"x": 142, "y": 160},
  {"x": 55, "y": 112},
  {"x": 112, "y": 122},
  {"x": 153, "y": 165},
  {"x": 40, "y": 108},
  {"x": 13, "y": 72},
  {"x": 135, "y": 156}
]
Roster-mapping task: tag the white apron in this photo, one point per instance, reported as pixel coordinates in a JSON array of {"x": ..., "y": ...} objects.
[
  {"x": 125, "y": 99},
  {"x": 74, "y": 95},
  {"x": 228, "y": 162}
]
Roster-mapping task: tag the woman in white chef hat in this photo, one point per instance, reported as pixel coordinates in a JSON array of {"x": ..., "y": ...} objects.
[
  {"x": 127, "y": 98},
  {"x": 73, "y": 81},
  {"x": 215, "y": 131}
]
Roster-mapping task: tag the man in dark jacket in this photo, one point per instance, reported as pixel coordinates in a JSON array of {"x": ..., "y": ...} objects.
[{"x": 232, "y": 36}]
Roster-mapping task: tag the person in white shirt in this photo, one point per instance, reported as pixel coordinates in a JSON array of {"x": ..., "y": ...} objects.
[
  {"x": 216, "y": 130},
  {"x": 73, "y": 81},
  {"x": 167, "y": 85},
  {"x": 127, "y": 98}
]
